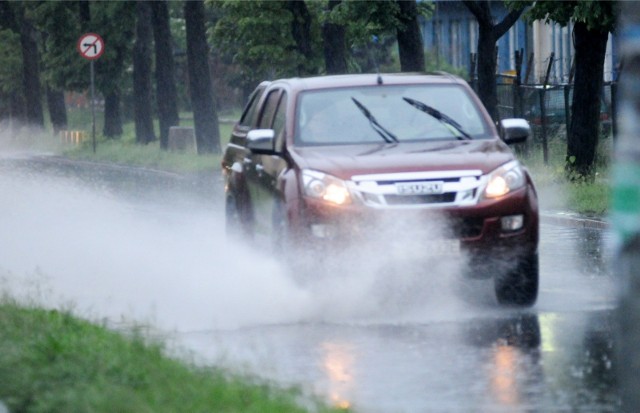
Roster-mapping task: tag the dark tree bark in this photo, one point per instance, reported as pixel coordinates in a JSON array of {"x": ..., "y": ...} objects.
[
  {"x": 142, "y": 88},
  {"x": 111, "y": 92},
  {"x": 410, "y": 46},
  {"x": 590, "y": 49},
  {"x": 301, "y": 31},
  {"x": 55, "y": 100},
  {"x": 57, "y": 109},
  {"x": 204, "y": 113},
  {"x": 111, "y": 67},
  {"x": 112, "y": 114},
  {"x": 31, "y": 74},
  {"x": 334, "y": 44},
  {"x": 7, "y": 17},
  {"x": 85, "y": 13},
  {"x": 488, "y": 35},
  {"x": 17, "y": 108},
  {"x": 166, "y": 94}
]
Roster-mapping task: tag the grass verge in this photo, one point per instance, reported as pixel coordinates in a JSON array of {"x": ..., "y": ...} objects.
[
  {"x": 126, "y": 151},
  {"x": 53, "y": 362},
  {"x": 588, "y": 198}
]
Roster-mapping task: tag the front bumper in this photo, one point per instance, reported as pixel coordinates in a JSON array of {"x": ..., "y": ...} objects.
[{"x": 508, "y": 222}]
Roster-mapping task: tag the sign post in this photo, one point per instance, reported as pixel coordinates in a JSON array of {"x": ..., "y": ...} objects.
[{"x": 91, "y": 46}]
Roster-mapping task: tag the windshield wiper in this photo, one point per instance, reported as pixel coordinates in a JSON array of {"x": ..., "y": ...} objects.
[
  {"x": 386, "y": 135},
  {"x": 439, "y": 116}
]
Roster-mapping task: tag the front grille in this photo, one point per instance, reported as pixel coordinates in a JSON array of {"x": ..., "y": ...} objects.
[
  {"x": 454, "y": 188},
  {"x": 419, "y": 199}
]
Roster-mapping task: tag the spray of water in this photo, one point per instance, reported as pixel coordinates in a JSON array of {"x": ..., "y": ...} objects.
[{"x": 170, "y": 263}]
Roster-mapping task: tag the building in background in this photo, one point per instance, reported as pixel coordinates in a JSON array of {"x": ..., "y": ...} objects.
[{"x": 451, "y": 37}]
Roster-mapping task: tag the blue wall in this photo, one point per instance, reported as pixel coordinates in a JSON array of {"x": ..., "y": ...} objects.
[{"x": 452, "y": 18}]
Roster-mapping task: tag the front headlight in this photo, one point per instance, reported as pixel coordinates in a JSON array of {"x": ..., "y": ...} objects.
[
  {"x": 505, "y": 179},
  {"x": 326, "y": 187}
]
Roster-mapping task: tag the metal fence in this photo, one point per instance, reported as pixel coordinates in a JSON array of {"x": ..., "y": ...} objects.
[
  {"x": 550, "y": 105},
  {"x": 547, "y": 105},
  {"x": 548, "y": 109}
]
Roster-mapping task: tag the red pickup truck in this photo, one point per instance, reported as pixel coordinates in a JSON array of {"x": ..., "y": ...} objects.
[{"x": 323, "y": 163}]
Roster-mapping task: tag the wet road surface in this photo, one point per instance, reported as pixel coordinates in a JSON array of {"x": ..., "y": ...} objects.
[{"x": 126, "y": 246}]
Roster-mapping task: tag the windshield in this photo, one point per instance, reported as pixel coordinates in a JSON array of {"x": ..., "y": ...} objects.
[{"x": 332, "y": 116}]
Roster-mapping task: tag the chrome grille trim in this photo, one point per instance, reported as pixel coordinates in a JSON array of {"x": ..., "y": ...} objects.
[
  {"x": 412, "y": 176},
  {"x": 461, "y": 186}
]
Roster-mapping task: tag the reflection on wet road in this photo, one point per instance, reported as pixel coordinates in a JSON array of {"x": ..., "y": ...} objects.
[
  {"x": 558, "y": 356},
  {"x": 125, "y": 245}
]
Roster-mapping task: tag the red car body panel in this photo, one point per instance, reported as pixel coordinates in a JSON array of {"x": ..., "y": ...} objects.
[{"x": 263, "y": 182}]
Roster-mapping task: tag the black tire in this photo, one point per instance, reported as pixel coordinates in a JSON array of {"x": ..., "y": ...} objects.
[
  {"x": 236, "y": 225},
  {"x": 519, "y": 287},
  {"x": 280, "y": 228},
  {"x": 289, "y": 249}
]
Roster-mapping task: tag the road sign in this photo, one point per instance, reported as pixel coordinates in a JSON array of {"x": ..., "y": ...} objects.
[{"x": 90, "y": 46}]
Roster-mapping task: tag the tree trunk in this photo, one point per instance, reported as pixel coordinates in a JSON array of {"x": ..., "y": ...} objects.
[
  {"x": 301, "y": 32},
  {"x": 410, "y": 46},
  {"x": 17, "y": 108},
  {"x": 487, "y": 71},
  {"x": 167, "y": 96},
  {"x": 335, "y": 46},
  {"x": 488, "y": 35},
  {"x": 142, "y": 88},
  {"x": 31, "y": 74},
  {"x": 590, "y": 47},
  {"x": 57, "y": 109},
  {"x": 85, "y": 13},
  {"x": 204, "y": 113},
  {"x": 112, "y": 115}
]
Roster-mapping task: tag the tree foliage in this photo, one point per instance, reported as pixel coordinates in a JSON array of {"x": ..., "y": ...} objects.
[
  {"x": 64, "y": 68},
  {"x": 380, "y": 21},
  {"x": 10, "y": 62},
  {"x": 596, "y": 15},
  {"x": 257, "y": 37},
  {"x": 267, "y": 39}
]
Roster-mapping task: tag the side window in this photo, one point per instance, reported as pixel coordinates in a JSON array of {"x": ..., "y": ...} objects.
[
  {"x": 279, "y": 122},
  {"x": 266, "y": 118},
  {"x": 249, "y": 113}
]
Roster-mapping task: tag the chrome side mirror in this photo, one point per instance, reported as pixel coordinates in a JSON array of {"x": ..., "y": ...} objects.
[
  {"x": 514, "y": 130},
  {"x": 261, "y": 141}
]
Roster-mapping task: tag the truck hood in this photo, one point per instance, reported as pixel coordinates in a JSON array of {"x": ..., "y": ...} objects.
[{"x": 345, "y": 161}]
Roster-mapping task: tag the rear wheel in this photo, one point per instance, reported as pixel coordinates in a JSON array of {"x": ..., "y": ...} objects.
[
  {"x": 280, "y": 228},
  {"x": 519, "y": 287},
  {"x": 290, "y": 248},
  {"x": 236, "y": 225}
]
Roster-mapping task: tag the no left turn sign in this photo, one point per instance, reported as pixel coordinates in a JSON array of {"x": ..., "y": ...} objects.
[{"x": 90, "y": 46}]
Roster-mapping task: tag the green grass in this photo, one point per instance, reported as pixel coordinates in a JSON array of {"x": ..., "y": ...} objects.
[
  {"x": 124, "y": 150},
  {"x": 556, "y": 192},
  {"x": 52, "y": 362}
]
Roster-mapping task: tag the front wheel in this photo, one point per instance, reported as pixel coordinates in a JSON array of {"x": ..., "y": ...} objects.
[
  {"x": 236, "y": 222},
  {"x": 519, "y": 287}
]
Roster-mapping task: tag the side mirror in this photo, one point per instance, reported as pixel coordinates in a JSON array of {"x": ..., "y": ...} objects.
[
  {"x": 261, "y": 141},
  {"x": 514, "y": 130}
]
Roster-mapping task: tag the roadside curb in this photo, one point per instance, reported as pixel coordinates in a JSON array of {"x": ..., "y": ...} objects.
[
  {"x": 571, "y": 220},
  {"x": 111, "y": 165}
]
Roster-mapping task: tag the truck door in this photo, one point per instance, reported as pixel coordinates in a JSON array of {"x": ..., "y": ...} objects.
[{"x": 263, "y": 170}]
